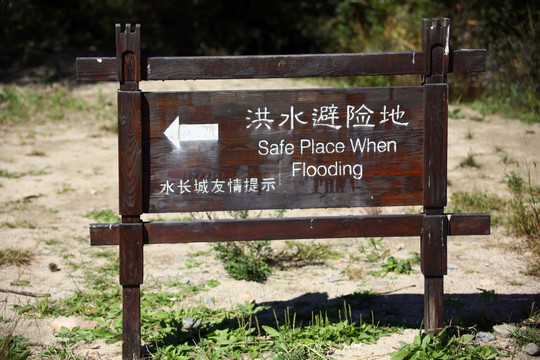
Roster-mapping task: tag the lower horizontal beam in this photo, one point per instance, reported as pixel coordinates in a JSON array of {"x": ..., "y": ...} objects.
[{"x": 168, "y": 232}]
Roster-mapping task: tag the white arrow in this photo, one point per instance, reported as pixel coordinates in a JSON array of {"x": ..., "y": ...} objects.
[
  {"x": 173, "y": 133},
  {"x": 177, "y": 132}
]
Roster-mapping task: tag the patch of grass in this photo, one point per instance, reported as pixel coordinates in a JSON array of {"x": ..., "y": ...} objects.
[
  {"x": 505, "y": 158},
  {"x": 17, "y": 175},
  {"x": 198, "y": 253},
  {"x": 220, "y": 333},
  {"x": 355, "y": 272},
  {"x": 21, "y": 204},
  {"x": 245, "y": 336},
  {"x": 528, "y": 332},
  {"x": 36, "y": 153},
  {"x": 245, "y": 260},
  {"x": 523, "y": 217},
  {"x": 15, "y": 257},
  {"x": 456, "y": 114},
  {"x": 469, "y": 161},
  {"x": 66, "y": 188},
  {"x": 104, "y": 216},
  {"x": 279, "y": 213},
  {"x": 492, "y": 105},
  {"x": 446, "y": 345},
  {"x": 478, "y": 201},
  {"x": 34, "y": 103},
  {"x": 469, "y": 135},
  {"x": 17, "y": 225},
  {"x": 10, "y": 175},
  {"x": 398, "y": 266},
  {"x": 20, "y": 283},
  {"x": 299, "y": 253},
  {"x": 377, "y": 251}
]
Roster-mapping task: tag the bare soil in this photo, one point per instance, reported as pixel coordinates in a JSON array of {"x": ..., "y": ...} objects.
[{"x": 69, "y": 168}]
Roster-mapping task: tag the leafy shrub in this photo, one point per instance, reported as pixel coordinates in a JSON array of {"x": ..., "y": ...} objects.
[
  {"x": 14, "y": 348},
  {"x": 245, "y": 260}
]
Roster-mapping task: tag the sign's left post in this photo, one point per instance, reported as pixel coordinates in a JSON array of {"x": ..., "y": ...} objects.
[{"x": 128, "y": 62}]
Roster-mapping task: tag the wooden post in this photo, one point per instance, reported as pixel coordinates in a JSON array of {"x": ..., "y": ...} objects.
[
  {"x": 130, "y": 183},
  {"x": 435, "y": 230}
]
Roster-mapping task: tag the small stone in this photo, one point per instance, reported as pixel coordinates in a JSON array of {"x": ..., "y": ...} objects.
[
  {"x": 335, "y": 278},
  {"x": 184, "y": 281},
  {"x": 189, "y": 323},
  {"x": 504, "y": 330},
  {"x": 531, "y": 349},
  {"x": 208, "y": 299},
  {"x": 485, "y": 337},
  {"x": 452, "y": 267}
]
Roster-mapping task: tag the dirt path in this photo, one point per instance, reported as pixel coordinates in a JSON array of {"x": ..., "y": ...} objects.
[{"x": 65, "y": 169}]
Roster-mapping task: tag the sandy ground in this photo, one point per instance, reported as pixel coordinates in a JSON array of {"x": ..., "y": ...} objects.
[{"x": 70, "y": 168}]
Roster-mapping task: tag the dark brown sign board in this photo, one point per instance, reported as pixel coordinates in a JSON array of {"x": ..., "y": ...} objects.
[{"x": 283, "y": 149}]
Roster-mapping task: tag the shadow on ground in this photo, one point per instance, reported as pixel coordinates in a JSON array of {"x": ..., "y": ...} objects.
[{"x": 482, "y": 310}]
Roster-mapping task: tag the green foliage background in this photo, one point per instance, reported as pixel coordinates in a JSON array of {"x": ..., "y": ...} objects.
[{"x": 37, "y": 32}]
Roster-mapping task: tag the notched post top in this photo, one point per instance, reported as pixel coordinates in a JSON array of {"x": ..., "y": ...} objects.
[
  {"x": 436, "y": 47},
  {"x": 128, "y": 56}
]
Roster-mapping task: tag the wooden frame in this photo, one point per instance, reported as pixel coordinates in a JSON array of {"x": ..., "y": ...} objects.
[{"x": 146, "y": 158}]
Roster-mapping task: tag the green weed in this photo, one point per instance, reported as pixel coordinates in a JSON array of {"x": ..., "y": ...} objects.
[
  {"x": 15, "y": 257},
  {"x": 105, "y": 216},
  {"x": 446, "y": 346},
  {"x": 469, "y": 161},
  {"x": 279, "y": 213},
  {"x": 22, "y": 203},
  {"x": 245, "y": 260},
  {"x": 505, "y": 158},
  {"x": 377, "y": 250},
  {"x": 528, "y": 332},
  {"x": 61, "y": 353},
  {"x": 20, "y": 283},
  {"x": 14, "y": 348},
  {"x": 398, "y": 266},
  {"x": 456, "y": 114}
]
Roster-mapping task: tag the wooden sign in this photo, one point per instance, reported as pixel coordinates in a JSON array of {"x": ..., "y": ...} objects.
[
  {"x": 243, "y": 150},
  {"x": 284, "y": 149}
]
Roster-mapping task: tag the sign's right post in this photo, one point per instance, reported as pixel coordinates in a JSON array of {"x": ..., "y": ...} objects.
[{"x": 436, "y": 47}]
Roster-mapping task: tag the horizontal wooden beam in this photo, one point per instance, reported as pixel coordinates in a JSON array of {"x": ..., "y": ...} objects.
[
  {"x": 166, "y": 232},
  {"x": 279, "y": 66}
]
